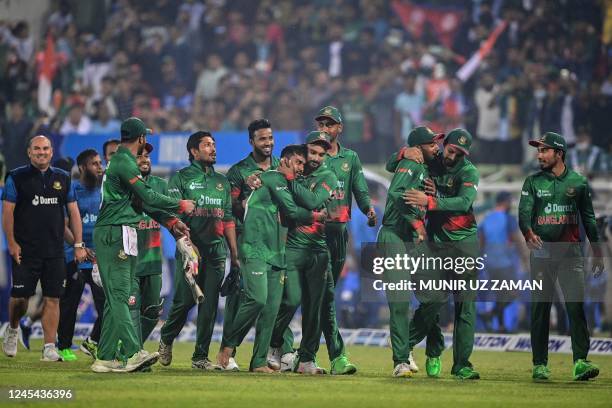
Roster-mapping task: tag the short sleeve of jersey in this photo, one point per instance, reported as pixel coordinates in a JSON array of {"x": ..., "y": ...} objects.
[
  {"x": 71, "y": 196},
  {"x": 10, "y": 191}
]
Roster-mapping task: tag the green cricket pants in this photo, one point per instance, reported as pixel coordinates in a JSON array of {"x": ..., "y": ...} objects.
[
  {"x": 307, "y": 272},
  {"x": 569, "y": 272},
  {"x": 426, "y": 318},
  {"x": 336, "y": 237},
  {"x": 260, "y": 298},
  {"x": 210, "y": 275},
  {"x": 117, "y": 273},
  {"x": 145, "y": 311},
  {"x": 390, "y": 244}
]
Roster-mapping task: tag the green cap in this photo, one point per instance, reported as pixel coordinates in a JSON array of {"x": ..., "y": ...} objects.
[
  {"x": 329, "y": 112},
  {"x": 319, "y": 137},
  {"x": 423, "y": 135},
  {"x": 133, "y": 127},
  {"x": 552, "y": 140},
  {"x": 459, "y": 138}
]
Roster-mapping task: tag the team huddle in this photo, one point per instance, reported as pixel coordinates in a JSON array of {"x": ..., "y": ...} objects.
[{"x": 283, "y": 222}]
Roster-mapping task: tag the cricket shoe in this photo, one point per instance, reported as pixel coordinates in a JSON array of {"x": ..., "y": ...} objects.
[
  {"x": 412, "y": 364},
  {"x": 584, "y": 370},
  {"x": 467, "y": 373},
  {"x": 274, "y": 358},
  {"x": 26, "y": 332},
  {"x": 433, "y": 367},
  {"x": 165, "y": 353},
  {"x": 309, "y": 367},
  {"x": 402, "y": 370},
  {"x": 9, "y": 344},
  {"x": 206, "y": 365},
  {"x": 89, "y": 347},
  {"x": 67, "y": 354},
  {"x": 342, "y": 366},
  {"x": 540, "y": 372},
  {"x": 105, "y": 366},
  {"x": 138, "y": 362},
  {"x": 49, "y": 353},
  {"x": 288, "y": 362},
  {"x": 231, "y": 365}
]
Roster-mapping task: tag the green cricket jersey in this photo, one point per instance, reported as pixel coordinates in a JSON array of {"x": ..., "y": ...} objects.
[
  {"x": 312, "y": 235},
  {"x": 550, "y": 206},
  {"x": 121, "y": 185},
  {"x": 149, "y": 235},
  {"x": 263, "y": 236},
  {"x": 237, "y": 175},
  {"x": 211, "y": 192},
  {"x": 450, "y": 216},
  {"x": 349, "y": 172},
  {"x": 400, "y": 217}
]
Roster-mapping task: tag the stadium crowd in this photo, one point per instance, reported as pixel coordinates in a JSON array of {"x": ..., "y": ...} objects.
[{"x": 217, "y": 64}]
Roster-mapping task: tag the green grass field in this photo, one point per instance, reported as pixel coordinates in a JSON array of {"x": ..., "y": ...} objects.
[{"x": 506, "y": 381}]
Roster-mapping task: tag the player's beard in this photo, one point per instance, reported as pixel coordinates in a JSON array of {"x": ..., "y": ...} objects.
[
  {"x": 91, "y": 179},
  {"x": 145, "y": 173}
]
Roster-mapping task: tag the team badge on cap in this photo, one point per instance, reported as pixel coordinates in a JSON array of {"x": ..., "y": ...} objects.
[{"x": 462, "y": 140}]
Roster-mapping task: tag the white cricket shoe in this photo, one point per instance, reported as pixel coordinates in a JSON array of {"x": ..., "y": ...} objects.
[
  {"x": 274, "y": 358},
  {"x": 205, "y": 365},
  {"x": 309, "y": 367},
  {"x": 231, "y": 365},
  {"x": 139, "y": 361},
  {"x": 402, "y": 370},
  {"x": 412, "y": 364},
  {"x": 105, "y": 366},
  {"x": 9, "y": 344},
  {"x": 165, "y": 353},
  {"x": 50, "y": 353},
  {"x": 288, "y": 362}
]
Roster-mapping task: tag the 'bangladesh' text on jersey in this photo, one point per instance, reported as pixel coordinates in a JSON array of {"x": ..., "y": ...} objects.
[
  {"x": 211, "y": 192},
  {"x": 149, "y": 236},
  {"x": 551, "y": 206}
]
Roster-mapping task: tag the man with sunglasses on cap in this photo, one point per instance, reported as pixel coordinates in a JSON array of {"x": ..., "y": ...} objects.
[
  {"x": 116, "y": 245},
  {"x": 345, "y": 164},
  {"x": 452, "y": 226},
  {"x": 403, "y": 224},
  {"x": 552, "y": 203}
]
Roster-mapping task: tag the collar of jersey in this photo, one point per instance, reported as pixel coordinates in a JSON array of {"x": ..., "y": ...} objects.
[
  {"x": 253, "y": 164},
  {"x": 341, "y": 151},
  {"x": 209, "y": 171},
  {"x": 550, "y": 174}
]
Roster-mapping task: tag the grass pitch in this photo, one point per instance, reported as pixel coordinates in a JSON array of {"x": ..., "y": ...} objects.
[{"x": 506, "y": 381}]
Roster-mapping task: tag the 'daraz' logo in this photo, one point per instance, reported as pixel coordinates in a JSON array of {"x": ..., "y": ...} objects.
[
  {"x": 36, "y": 200},
  {"x": 548, "y": 208}
]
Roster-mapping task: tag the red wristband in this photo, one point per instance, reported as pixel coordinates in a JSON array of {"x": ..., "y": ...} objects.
[
  {"x": 289, "y": 177},
  {"x": 431, "y": 202},
  {"x": 182, "y": 206},
  {"x": 171, "y": 223}
]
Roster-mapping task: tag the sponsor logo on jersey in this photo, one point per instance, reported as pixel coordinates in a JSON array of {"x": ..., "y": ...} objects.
[
  {"x": 525, "y": 193},
  {"x": 550, "y": 207},
  {"x": 90, "y": 218},
  {"x": 543, "y": 193},
  {"x": 206, "y": 200},
  {"x": 194, "y": 184},
  {"x": 57, "y": 185},
  {"x": 40, "y": 200}
]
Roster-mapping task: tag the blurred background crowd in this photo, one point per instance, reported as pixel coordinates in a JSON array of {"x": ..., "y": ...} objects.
[{"x": 507, "y": 70}]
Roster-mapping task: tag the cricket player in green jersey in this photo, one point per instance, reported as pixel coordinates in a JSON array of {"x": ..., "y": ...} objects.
[
  {"x": 345, "y": 164},
  {"x": 402, "y": 224},
  {"x": 307, "y": 259},
  {"x": 239, "y": 175},
  {"x": 262, "y": 254},
  {"x": 552, "y": 203},
  {"x": 146, "y": 305},
  {"x": 115, "y": 241},
  {"x": 211, "y": 224},
  {"x": 451, "y": 222}
]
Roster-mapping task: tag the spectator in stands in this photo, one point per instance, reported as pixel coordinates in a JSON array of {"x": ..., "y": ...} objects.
[
  {"x": 586, "y": 158},
  {"x": 15, "y": 133},
  {"x": 409, "y": 106},
  {"x": 104, "y": 123},
  {"x": 486, "y": 100},
  {"x": 76, "y": 121}
]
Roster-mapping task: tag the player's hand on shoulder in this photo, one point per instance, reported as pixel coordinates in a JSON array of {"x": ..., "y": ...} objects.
[
  {"x": 414, "y": 154},
  {"x": 430, "y": 187}
]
